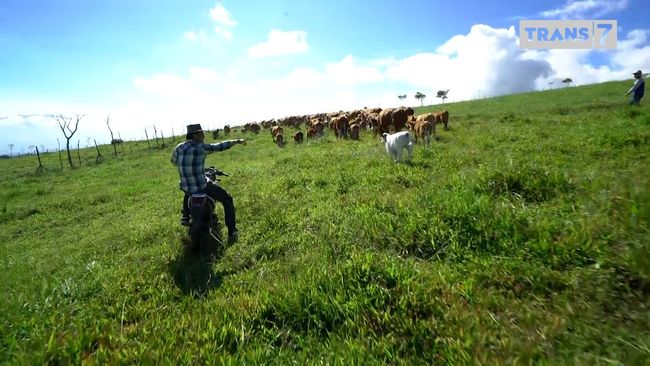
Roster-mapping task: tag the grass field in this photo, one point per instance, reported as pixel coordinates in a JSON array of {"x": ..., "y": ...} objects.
[{"x": 520, "y": 236}]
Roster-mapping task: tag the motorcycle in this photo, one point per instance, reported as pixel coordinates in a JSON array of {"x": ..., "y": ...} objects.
[{"x": 205, "y": 228}]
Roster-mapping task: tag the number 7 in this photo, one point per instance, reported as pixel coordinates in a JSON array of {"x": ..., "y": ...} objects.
[{"x": 607, "y": 27}]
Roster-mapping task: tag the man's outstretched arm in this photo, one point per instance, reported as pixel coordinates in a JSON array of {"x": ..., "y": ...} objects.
[{"x": 223, "y": 145}]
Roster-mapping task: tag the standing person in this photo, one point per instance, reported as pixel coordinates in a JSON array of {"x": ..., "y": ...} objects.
[
  {"x": 638, "y": 89},
  {"x": 189, "y": 158}
]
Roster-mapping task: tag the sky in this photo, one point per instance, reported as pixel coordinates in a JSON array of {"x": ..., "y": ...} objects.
[{"x": 169, "y": 63}]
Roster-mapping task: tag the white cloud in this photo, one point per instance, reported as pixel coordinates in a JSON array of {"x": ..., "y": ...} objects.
[
  {"x": 485, "y": 62},
  {"x": 36, "y": 119},
  {"x": 634, "y": 39},
  {"x": 203, "y": 75},
  {"x": 280, "y": 43},
  {"x": 348, "y": 73},
  {"x": 224, "y": 33},
  {"x": 223, "y": 24},
  {"x": 585, "y": 9},
  {"x": 169, "y": 85},
  {"x": 223, "y": 21},
  {"x": 192, "y": 36},
  {"x": 221, "y": 15}
]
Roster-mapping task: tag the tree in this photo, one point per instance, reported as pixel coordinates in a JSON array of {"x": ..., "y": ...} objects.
[
  {"x": 40, "y": 167},
  {"x": 442, "y": 94},
  {"x": 147, "y": 136},
  {"x": 402, "y": 97},
  {"x": 421, "y": 97},
  {"x": 108, "y": 119},
  {"x": 567, "y": 81},
  {"x": 65, "y": 124},
  {"x": 11, "y": 150},
  {"x": 99, "y": 159},
  {"x": 155, "y": 133}
]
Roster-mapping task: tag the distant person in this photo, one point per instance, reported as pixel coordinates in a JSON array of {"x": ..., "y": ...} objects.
[
  {"x": 189, "y": 158},
  {"x": 638, "y": 89}
]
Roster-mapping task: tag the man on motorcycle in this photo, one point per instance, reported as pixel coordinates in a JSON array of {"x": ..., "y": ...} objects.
[{"x": 189, "y": 158}]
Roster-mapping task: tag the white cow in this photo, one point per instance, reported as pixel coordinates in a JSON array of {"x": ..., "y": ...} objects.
[{"x": 396, "y": 143}]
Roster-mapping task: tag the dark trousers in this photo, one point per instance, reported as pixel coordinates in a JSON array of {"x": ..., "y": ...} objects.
[{"x": 220, "y": 195}]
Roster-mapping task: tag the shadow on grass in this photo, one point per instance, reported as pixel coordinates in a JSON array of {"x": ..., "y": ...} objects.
[
  {"x": 423, "y": 164},
  {"x": 192, "y": 270}
]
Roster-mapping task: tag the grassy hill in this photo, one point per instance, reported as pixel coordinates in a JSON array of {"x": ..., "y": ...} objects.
[{"x": 520, "y": 236}]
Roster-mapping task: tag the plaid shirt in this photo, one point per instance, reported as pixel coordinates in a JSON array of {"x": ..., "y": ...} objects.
[{"x": 189, "y": 158}]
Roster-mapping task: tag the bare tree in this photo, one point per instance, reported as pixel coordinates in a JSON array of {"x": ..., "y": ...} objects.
[
  {"x": 147, "y": 136},
  {"x": 65, "y": 124},
  {"x": 40, "y": 164},
  {"x": 108, "y": 119},
  {"x": 99, "y": 159},
  {"x": 155, "y": 134},
  {"x": 11, "y": 150}
]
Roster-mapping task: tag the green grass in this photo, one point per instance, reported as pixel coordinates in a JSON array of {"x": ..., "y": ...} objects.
[{"x": 520, "y": 236}]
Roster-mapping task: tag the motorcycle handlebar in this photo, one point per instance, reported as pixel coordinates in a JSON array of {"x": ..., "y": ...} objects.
[{"x": 212, "y": 171}]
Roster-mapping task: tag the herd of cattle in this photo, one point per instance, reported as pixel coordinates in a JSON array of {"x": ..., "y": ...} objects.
[{"x": 349, "y": 124}]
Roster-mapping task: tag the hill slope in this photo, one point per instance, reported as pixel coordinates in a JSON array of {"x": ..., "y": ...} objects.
[{"x": 520, "y": 235}]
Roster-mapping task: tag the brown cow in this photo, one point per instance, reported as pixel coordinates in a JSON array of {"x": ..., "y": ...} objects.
[
  {"x": 255, "y": 128},
  {"x": 400, "y": 116},
  {"x": 354, "y": 131},
  {"x": 429, "y": 117},
  {"x": 424, "y": 129},
  {"x": 411, "y": 123},
  {"x": 384, "y": 121},
  {"x": 276, "y": 130},
  {"x": 393, "y": 116},
  {"x": 442, "y": 117},
  {"x": 340, "y": 125},
  {"x": 279, "y": 139},
  {"x": 297, "y": 137},
  {"x": 319, "y": 127}
]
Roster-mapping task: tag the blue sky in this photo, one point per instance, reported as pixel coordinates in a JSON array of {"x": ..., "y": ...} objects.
[{"x": 171, "y": 63}]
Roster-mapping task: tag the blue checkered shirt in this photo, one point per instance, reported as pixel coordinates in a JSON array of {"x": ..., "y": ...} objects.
[{"x": 189, "y": 158}]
